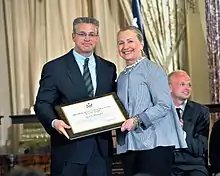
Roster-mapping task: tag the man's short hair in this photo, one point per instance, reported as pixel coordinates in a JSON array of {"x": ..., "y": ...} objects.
[
  {"x": 88, "y": 20},
  {"x": 174, "y": 73}
]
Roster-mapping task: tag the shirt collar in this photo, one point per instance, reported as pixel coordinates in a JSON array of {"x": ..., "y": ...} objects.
[
  {"x": 82, "y": 58},
  {"x": 133, "y": 65},
  {"x": 182, "y": 106}
]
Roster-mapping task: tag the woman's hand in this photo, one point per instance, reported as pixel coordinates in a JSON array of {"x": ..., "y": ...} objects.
[{"x": 129, "y": 124}]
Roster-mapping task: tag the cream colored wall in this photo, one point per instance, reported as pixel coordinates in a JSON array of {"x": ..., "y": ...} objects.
[
  {"x": 197, "y": 53},
  {"x": 4, "y": 85}
]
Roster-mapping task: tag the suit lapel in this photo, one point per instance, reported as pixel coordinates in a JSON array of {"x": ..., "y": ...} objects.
[
  {"x": 76, "y": 76},
  {"x": 74, "y": 71},
  {"x": 188, "y": 111},
  {"x": 100, "y": 77},
  {"x": 188, "y": 115}
]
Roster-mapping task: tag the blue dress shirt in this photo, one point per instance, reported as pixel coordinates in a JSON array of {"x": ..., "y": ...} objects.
[{"x": 92, "y": 66}]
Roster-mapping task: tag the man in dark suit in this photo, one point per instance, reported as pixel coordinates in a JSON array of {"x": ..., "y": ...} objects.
[
  {"x": 194, "y": 119},
  {"x": 214, "y": 149},
  {"x": 76, "y": 76}
]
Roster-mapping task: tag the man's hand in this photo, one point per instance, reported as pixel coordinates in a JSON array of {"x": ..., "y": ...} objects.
[
  {"x": 129, "y": 124},
  {"x": 61, "y": 127}
]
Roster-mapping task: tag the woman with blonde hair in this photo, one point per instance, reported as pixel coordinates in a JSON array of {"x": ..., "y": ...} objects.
[{"x": 147, "y": 139}]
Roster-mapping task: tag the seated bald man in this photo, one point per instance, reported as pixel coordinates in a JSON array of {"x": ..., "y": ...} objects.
[{"x": 194, "y": 119}]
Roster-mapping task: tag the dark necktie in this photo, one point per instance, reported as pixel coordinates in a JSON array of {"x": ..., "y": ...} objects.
[
  {"x": 178, "y": 110},
  {"x": 87, "y": 78}
]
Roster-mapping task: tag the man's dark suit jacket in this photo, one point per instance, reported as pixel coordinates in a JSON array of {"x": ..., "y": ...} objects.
[
  {"x": 214, "y": 148},
  {"x": 196, "y": 125},
  {"x": 62, "y": 83}
]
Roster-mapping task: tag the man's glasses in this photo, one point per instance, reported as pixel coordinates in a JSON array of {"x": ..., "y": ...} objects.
[{"x": 84, "y": 35}]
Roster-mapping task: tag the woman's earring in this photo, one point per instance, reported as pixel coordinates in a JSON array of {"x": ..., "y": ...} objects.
[{"x": 143, "y": 53}]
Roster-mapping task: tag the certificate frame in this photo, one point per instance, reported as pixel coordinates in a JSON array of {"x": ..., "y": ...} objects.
[{"x": 92, "y": 105}]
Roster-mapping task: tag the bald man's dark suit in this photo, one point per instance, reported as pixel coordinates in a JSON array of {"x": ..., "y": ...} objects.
[
  {"x": 62, "y": 83},
  {"x": 196, "y": 125}
]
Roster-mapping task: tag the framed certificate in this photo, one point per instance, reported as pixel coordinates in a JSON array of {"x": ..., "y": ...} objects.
[{"x": 93, "y": 116}]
